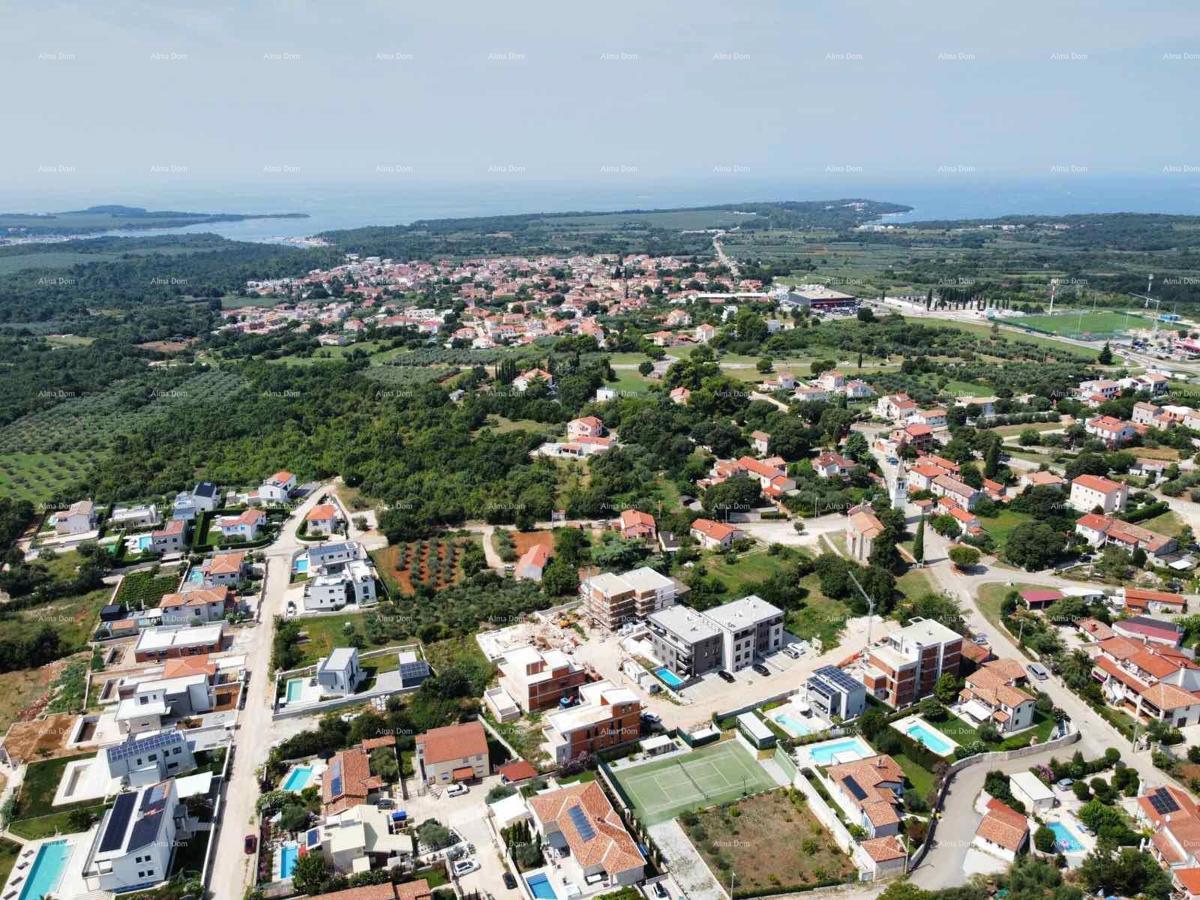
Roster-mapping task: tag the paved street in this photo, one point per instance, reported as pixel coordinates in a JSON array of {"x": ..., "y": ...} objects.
[{"x": 231, "y": 866}]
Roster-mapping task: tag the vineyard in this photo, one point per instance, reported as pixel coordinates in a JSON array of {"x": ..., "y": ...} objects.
[
  {"x": 44, "y": 454},
  {"x": 435, "y": 563},
  {"x": 143, "y": 590}
]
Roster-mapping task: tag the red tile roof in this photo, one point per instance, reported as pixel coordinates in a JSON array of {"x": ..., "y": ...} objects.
[
  {"x": 453, "y": 742},
  {"x": 610, "y": 847}
]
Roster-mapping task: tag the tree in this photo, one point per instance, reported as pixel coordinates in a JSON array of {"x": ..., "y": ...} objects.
[
  {"x": 764, "y": 365},
  {"x": 964, "y": 557},
  {"x": 310, "y": 873},
  {"x": 433, "y": 835},
  {"x": 384, "y": 764},
  {"x": 1105, "y": 357},
  {"x": 991, "y": 460},
  {"x": 1034, "y": 546},
  {"x": 293, "y": 817},
  {"x": 1044, "y": 839},
  {"x": 919, "y": 543},
  {"x": 645, "y": 367},
  {"x": 946, "y": 689},
  {"x": 560, "y": 578},
  {"x": 865, "y": 314}
]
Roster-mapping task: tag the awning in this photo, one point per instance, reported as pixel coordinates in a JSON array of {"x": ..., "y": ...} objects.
[{"x": 463, "y": 773}]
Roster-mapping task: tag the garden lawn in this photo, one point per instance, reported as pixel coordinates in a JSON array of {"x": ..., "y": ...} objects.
[
  {"x": 915, "y": 583},
  {"x": 9, "y": 850},
  {"x": 748, "y": 570},
  {"x": 1002, "y": 525},
  {"x": 30, "y": 819},
  {"x": 820, "y": 617},
  {"x": 1169, "y": 523},
  {"x": 325, "y": 633}
]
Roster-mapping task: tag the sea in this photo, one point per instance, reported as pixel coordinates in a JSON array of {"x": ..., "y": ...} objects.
[{"x": 333, "y": 207}]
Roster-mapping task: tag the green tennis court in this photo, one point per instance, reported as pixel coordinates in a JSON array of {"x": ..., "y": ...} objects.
[{"x": 720, "y": 773}]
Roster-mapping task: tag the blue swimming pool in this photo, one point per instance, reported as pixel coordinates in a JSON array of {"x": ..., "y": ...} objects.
[
  {"x": 669, "y": 678},
  {"x": 824, "y": 754},
  {"x": 288, "y": 854},
  {"x": 793, "y": 724},
  {"x": 301, "y": 565},
  {"x": 47, "y": 870},
  {"x": 144, "y": 542},
  {"x": 918, "y": 732},
  {"x": 1065, "y": 838},
  {"x": 540, "y": 886},
  {"x": 195, "y": 576},
  {"x": 298, "y": 779}
]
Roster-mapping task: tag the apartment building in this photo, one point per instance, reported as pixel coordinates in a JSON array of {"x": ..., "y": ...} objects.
[
  {"x": 751, "y": 628},
  {"x": 904, "y": 666},
  {"x": 605, "y": 717},
  {"x": 612, "y": 600},
  {"x": 685, "y": 641},
  {"x": 539, "y": 679}
]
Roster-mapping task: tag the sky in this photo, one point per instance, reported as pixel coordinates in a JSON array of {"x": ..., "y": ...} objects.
[{"x": 129, "y": 96}]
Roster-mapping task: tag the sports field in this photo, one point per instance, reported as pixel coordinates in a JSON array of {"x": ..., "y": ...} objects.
[
  {"x": 1088, "y": 325},
  {"x": 663, "y": 789}
]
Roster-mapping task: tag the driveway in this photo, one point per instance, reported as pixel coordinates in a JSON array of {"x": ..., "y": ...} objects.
[{"x": 232, "y": 870}]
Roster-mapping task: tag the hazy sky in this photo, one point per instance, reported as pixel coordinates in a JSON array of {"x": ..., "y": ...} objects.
[{"x": 132, "y": 94}]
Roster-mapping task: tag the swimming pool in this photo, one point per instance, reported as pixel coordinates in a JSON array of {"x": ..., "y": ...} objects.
[
  {"x": 795, "y": 725},
  {"x": 288, "y": 854},
  {"x": 298, "y": 779},
  {"x": 1064, "y": 838},
  {"x": 540, "y": 886},
  {"x": 47, "y": 870},
  {"x": 195, "y": 576},
  {"x": 295, "y": 689},
  {"x": 918, "y": 731},
  {"x": 669, "y": 678},
  {"x": 144, "y": 542},
  {"x": 845, "y": 749},
  {"x": 301, "y": 565}
]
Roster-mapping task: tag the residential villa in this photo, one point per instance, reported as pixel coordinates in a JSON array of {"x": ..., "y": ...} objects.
[
  {"x": 636, "y": 525},
  {"x": 587, "y": 837},
  {"x": 224, "y": 569},
  {"x": 832, "y": 465},
  {"x": 995, "y": 693},
  {"x": 452, "y": 753},
  {"x": 1091, "y": 491},
  {"x": 170, "y": 538},
  {"x": 339, "y": 673},
  {"x": 79, "y": 518},
  {"x": 278, "y": 488},
  {"x": 1003, "y": 832},
  {"x": 172, "y": 643},
  {"x": 1101, "y": 531},
  {"x": 532, "y": 563},
  {"x": 242, "y": 527},
  {"x": 537, "y": 680},
  {"x": 868, "y": 791},
  {"x": 197, "y": 606},
  {"x": 135, "y": 842},
  {"x": 322, "y": 519},
  {"x": 715, "y": 535}
]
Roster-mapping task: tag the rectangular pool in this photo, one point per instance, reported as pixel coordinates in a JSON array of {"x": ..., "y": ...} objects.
[
  {"x": 144, "y": 542},
  {"x": 793, "y": 724},
  {"x": 932, "y": 739},
  {"x": 669, "y": 678},
  {"x": 1064, "y": 838},
  {"x": 295, "y": 689},
  {"x": 298, "y": 779},
  {"x": 301, "y": 565},
  {"x": 288, "y": 854},
  {"x": 47, "y": 870},
  {"x": 540, "y": 887},
  {"x": 839, "y": 750}
]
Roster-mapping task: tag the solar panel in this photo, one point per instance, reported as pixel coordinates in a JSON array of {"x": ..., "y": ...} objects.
[
  {"x": 144, "y": 745},
  {"x": 118, "y": 821},
  {"x": 582, "y": 824},
  {"x": 854, "y": 788},
  {"x": 335, "y": 776},
  {"x": 836, "y": 676},
  {"x": 414, "y": 671},
  {"x": 1163, "y": 802}
]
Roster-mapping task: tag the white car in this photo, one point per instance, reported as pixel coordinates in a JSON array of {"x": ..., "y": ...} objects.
[
  {"x": 465, "y": 867},
  {"x": 457, "y": 790}
]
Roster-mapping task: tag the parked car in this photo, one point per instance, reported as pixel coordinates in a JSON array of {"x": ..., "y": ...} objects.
[
  {"x": 385, "y": 803},
  {"x": 251, "y": 843},
  {"x": 660, "y": 889},
  {"x": 980, "y": 639},
  {"x": 791, "y": 651},
  {"x": 652, "y": 718},
  {"x": 1064, "y": 783},
  {"x": 457, "y": 790},
  {"x": 465, "y": 867},
  {"x": 761, "y": 669},
  {"x": 509, "y": 881},
  {"x": 1037, "y": 671},
  {"x": 725, "y": 676}
]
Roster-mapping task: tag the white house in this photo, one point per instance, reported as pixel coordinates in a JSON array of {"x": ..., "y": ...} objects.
[
  {"x": 135, "y": 516},
  {"x": 136, "y": 839},
  {"x": 322, "y": 519},
  {"x": 1090, "y": 491},
  {"x": 338, "y": 574},
  {"x": 278, "y": 488},
  {"x": 1112, "y": 431},
  {"x": 242, "y": 527},
  {"x": 149, "y": 758},
  {"x": 339, "y": 673},
  {"x": 78, "y": 518},
  {"x": 171, "y": 538},
  {"x": 1033, "y": 793}
]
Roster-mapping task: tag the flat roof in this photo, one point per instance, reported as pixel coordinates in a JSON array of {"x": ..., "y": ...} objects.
[
  {"x": 1032, "y": 786},
  {"x": 755, "y": 726},
  {"x": 684, "y": 622},
  {"x": 743, "y": 613},
  {"x": 646, "y": 579}
]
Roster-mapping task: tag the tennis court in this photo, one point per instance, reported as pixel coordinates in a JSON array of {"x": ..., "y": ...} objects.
[{"x": 663, "y": 789}]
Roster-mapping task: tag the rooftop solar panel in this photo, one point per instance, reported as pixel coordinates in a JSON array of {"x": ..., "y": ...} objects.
[
  {"x": 855, "y": 788},
  {"x": 836, "y": 676},
  {"x": 582, "y": 824},
  {"x": 137, "y": 746},
  {"x": 118, "y": 821},
  {"x": 1163, "y": 802}
]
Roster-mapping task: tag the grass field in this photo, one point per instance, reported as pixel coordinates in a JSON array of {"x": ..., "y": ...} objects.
[
  {"x": 1085, "y": 324},
  {"x": 716, "y": 774},
  {"x": 30, "y": 817},
  {"x": 768, "y": 843},
  {"x": 1169, "y": 523},
  {"x": 1002, "y": 525},
  {"x": 325, "y": 633},
  {"x": 747, "y": 570},
  {"x": 19, "y": 690}
]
